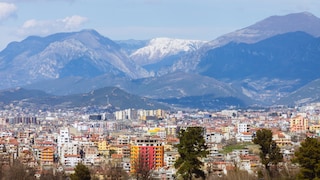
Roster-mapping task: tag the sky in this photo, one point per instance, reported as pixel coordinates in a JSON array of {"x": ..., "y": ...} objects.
[{"x": 140, "y": 19}]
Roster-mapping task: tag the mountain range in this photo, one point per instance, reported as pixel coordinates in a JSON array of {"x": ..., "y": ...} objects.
[
  {"x": 263, "y": 64},
  {"x": 108, "y": 98},
  {"x": 85, "y": 53}
]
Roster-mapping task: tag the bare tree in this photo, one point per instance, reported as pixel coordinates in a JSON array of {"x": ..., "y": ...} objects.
[
  {"x": 142, "y": 170},
  {"x": 18, "y": 171},
  {"x": 115, "y": 172},
  {"x": 50, "y": 175}
]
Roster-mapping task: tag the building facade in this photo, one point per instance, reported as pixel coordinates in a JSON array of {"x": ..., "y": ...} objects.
[{"x": 146, "y": 154}]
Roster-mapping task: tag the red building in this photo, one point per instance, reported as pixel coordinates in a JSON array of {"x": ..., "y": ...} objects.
[{"x": 146, "y": 154}]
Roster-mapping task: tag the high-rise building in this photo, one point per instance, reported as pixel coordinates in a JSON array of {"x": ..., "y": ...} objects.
[
  {"x": 146, "y": 154},
  {"x": 66, "y": 147}
]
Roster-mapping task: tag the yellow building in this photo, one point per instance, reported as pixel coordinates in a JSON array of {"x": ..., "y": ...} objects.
[
  {"x": 156, "y": 130},
  {"x": 315, "y": 128},
  {"x": 103, "y": 147},
  {"x": 299, "y": 124}
]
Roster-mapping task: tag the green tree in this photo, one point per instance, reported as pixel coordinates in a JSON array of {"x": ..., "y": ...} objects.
[
  {"x": 82, "y": 172},
  {"x": 269, "y": 151},
  {"x": 191, "y": 148},
  {"x": 112, "y": 151},
  {"x": 308, "y": 156}
]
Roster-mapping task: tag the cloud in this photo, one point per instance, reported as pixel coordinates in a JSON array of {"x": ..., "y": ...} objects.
[
  {"x": 45, "y": 27},
  {"x": 72, "y": 22},
  {"x": 7, "y": 10}
]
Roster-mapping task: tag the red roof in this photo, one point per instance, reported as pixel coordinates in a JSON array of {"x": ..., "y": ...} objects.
[{"x": 116, "y": 156}]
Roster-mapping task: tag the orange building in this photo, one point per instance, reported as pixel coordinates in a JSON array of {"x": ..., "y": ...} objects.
[
  {"x": 47, "y": 155},
  {"x": 299, "y": 124},
  {"x": 146, "y": 154}
]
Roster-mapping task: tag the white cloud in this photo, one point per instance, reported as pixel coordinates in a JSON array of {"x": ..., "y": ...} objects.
[
  {"x": 30, "y": 24},
  {"x": 45, "y": 27},
  {"x": 72, "y": 22},
  {"x": 7, "y": 10}
]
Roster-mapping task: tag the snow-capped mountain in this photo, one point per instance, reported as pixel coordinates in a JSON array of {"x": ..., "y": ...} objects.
[
  {"x": 257, "y": 64},
  {"x": 161, "y": 48},
  {"x": 85, "y": 54}
]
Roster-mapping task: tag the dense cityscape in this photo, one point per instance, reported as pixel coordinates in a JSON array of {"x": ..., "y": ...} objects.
[{"x": 57, "y": 141}]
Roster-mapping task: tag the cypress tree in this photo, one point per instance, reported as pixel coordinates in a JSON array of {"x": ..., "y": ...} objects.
[{"x": 191, "y": 148}]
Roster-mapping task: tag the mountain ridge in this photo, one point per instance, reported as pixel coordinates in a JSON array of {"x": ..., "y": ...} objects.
[
  {"x": 271, "y": 67},
  {"x": 54, "y": 53},
  {"x": 266, "y": 28},
  {"x": 109, "y": 97},
  {"x": 257, "y": 68},
  {"x": 272, "y": 26}
]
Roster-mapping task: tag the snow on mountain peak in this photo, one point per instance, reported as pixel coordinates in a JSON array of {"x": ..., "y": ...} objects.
[
  {"x": 175, "y": 44},
  {"x": 158, "y": 48}
]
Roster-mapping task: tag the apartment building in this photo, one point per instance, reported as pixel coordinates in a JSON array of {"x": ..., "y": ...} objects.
[
  {"x": 299, "y": 124},
  {"x": 47, "y": 155},
  {"x": 146, "y": 153},
  {"x": 243, "y": 128}
]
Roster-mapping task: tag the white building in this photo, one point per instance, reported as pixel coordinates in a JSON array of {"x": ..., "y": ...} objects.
[
  {"x": 66, "y": 147},
  {"x": 119, "y": 115},
  {"x": 213, "y": 137},
  {"x": 170, "y": 158},
  {"x": 123, "y": 140},
  {"x": 63, "y": 137},
  {"x": 244, "y": 137},
  {"x": 71, "y": 160},
  {"x": 69, "y": 149},
  {"x": 243, "y": 127}
]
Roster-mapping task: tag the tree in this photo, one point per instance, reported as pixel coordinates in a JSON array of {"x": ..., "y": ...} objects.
[
  {"x": 18, "y": 171},
  {"x": 2, "y": 164},
  {"x": 269, "y": 151},
  {"x": 51, "y": 175},
  {"x": 112, "y": 151},
  {"x": 81, "y": 173},
  {"x": 113, "y": 172},
  {"x": 142, "y": 169},
  {"x": 308, "y": 156},
  {"x": 191, "y": 148}
]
